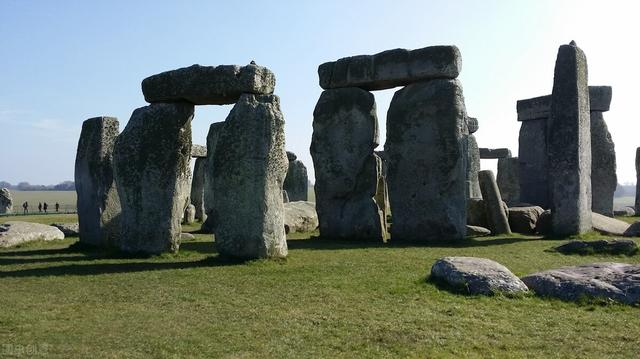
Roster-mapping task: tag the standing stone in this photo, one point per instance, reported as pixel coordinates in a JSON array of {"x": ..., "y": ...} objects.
[
  {"x": 473, "y": 166},
  {"x": 509, "y": 180},
  {"x": 250, "y": 167},
  {"x": 297, "y": 182},
  {"x": 603, "y": 166},
  {"x": 425, "y": 150},
  {"x": 345, "y": 132},
  {"x": 152, "y": 173},
  {"x": 569, "y": 144},
  {"x": 532, "y": 163},
  {"x": 215, "y": 129},
  {"x": 638, "y": 180},
  {"x": 497, "y": 217},
  {"x": 197, "y": 188},
  {"x": 6, "y": 202},
  {"x": 189, "y": 216},
  {"x": 98, "y": 202}
]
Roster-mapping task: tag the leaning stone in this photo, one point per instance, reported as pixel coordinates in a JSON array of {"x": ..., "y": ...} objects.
[
  {"x": 208, "y": 85},
  {"x": 68, "y": 229},
  {"x": 197, "y": 188},
  {"x": 426, "y": 174},
  {"x": 345, "y": 132},
  {"x": 494, "y": 153},
  {"x": 6, "y": 202},
  {"x": 524, "y": 219},
  {"x": 569, "y": 144},
  {"x": 611, "y": 281},
  {"x": 474, "y": 231},
  {"x": 497, "y": 217},
  {"x": 198, "y": 151},
  {"x": 609, "y": 226},
  {"x": 603, "y": 246},
  {"x": 152, "y": 173},
  {"x": 633, "y": 230},
  {"x": 532, "y": 163},
  {"x": 297, "y": 182},
  {"x": 508, "y": 180},
  {"x": 603, "y": 166},
  {"x": 215, "y": 129},
  {"x": 189, "y": 216},
  {"x": 476, "y": 276},
  {"x": 391, "y": 68},
  {"x": 250, "y": 167},
  {"x": 300, "y": 216},
  {"x": 14, "y": 233},
  {"x": 98, "y": 202}
]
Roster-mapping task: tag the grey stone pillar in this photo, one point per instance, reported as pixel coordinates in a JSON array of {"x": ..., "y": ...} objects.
[
  {"x": 497, "y": 217},
  {"x": 215, "y": 129},
  {"x": 509, "y": 180},
  {"x": 197, "y": 188},
  {"x": 297, "y": 182},
  {"x": 473, "y": 159},
  {"x": 603, "y": 155}
]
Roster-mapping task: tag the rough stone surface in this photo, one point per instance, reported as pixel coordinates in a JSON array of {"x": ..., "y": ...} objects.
[
  {"x": 540, "y": 107},
  {"x": 633, "y": 230},
  {"x": 391, "y": 68},
  {"x": 345, "y": 132},
  {"x": 300, "y": 216},
  {"x": 613, "y": 281},
  {"x": 473, "y": 166},
  {"x": 508, "y": 180},
  {"x": 189, "y": 216},
  {"x": 472, "y": 125},
  {"x": 425, "y": 151},
  {"x": 524, "y": 219},
  {"x": 476, "y": 276},
  {"x": 208, "y": 85},
  {"x": 497, "y": 217},
  {"x": 600, "y": 98},
  {"x": 6, "y": 202},
  {"x": 532, "y": 163},
  {"x": 543, "y": 226},
  {"x": 215, "y": 129},
  {"x": 68, "y": 229},
  {"x": 382, "y": 194},
  {"x": 98, "y": 202},
  {"x": 14, "y": 233},
  {"x": 198, "y": 151},
  {"x": 603, "y": 246},
  {"x": 603, "y": 166},
  {"x": 569, "y": 144},
  {"x": 152, "y": 173},
  {"x": 250, "y": 167},
  {"x": 475, "y": 231},
  {"x": 297, "y": 182},
  {"x": 197, "y": 188},
  {"x": 476, "y": 212},
  {"x": 494, "y": 153},
  {"x": 624, "y": 212},
  {"x": 608, "y": 225}
]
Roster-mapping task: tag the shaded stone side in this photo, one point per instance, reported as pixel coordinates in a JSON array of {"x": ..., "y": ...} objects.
[
  {"x": 297, "y": 182},
  {"x": 215, "y": 129},
  {"x": 250, "y": 167},
  {"x": 532, "y": 163},
  {"x": 494, "y": 153},
  {"x": 345, "y": 132},
  {"x": 508, "y": 180},
  {"x": 497, "y": 216},
  {"x": 97, "y": 198},
  {"x": 152, "y": 173},
  {"x": 473, "y": 167},
  {"x": 603, "y": 166},
  {"x": 197, "y": 188},
  {"x": 427, "y": 164},
  {"x": 569, "y": 144},
  {"x": 382, "y": 196}
]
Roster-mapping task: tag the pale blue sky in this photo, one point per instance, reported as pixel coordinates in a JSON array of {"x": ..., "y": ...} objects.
[{"x": 65, "y": 61}]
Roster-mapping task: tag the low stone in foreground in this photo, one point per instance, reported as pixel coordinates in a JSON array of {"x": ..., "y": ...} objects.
[
  {"x": 475, "y": 231},
  {"x": 69, "y": 229},
  {"x": 476, "y": 276},
  {"x": 300, "y": 216},
  {"x": 606, "y": 246},
  {"x": 608, "y": 225},
  {"x": 14, "y": 233},
  {"x": 619, "y": 282}
]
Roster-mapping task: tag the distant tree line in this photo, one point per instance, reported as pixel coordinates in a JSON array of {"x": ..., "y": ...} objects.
[{"x": 26, "y": 186}]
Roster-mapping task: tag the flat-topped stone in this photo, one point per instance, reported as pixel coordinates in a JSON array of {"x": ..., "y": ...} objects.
[
  {"x": 538, "y": 108},
  {"x": 392, "y": 68},
  {"x": 198, "y": 151},
  {"x": 208, "y": 85},
  {"x": 494, "y": 153},
  {"x": 15, "y": 232},
  {"x": 476, "y": 276}
]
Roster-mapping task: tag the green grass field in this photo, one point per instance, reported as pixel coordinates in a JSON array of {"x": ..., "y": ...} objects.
[{"x": 329, "y": 299}]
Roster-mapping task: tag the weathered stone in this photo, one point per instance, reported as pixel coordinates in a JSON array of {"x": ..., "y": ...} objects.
[
  {"x": 602, "y": 246},
  {"x": 544, "y": 225},
  {"x": 603, "y": 166},
  {"x": 189, "y": 216},
  {"x": 250, "y": 166},
  {"x": 296, "y": 183},
  {"x": 391, "y": 68},
  {"x": 619, "y": 282},
  {"x": 476, "y": 212},
  {"x": 425, "y": 151},
  {"x": 345, "y": 132},
  {"x": 98, "y": 202},
  {"x": 637, "y": 180},
  {"x": 208, "y": 85},
  {"x": 624, "y": 212},
  {"x": 494, "y": 153},
  {"x": 14, "y": 233},
  {"x": 382, "y": 195},
  {"x": 540, "y": 107},
  {"x": 508, "y": 180},
  {"x": 524, "y": 219},
  {"x": 608, "y": 225},
  {"x": 472, "y": 125},
  {"x": 497, "y": 217},
  {"x": 68, "y": 229},
  {"x": 476, "y": 276},
  {"x": 532, "y": 163},
  {"x": 6, "y": 202},
  {"x": 300, "y": 216},
  {"x": 152, "y": 173},
  {"x": 215, "y": 129},
  {"x": 198, "y": 151},
  {"x": 569, "y": 144},
  {"x": 197, "y": 188},
  {"x": 600, "y": 98},
  {"x": 633, "y": 230},
  {"x": 474, "y": 231},
  {"x": 473, "y": 166}
]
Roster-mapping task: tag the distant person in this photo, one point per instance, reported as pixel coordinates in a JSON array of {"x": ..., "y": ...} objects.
[
  {"x": 57, "y": 207},
  {"x": 45, "y": 207},
  {"x": 39, "y": 207},
  {"x": 25, "y": 208}
]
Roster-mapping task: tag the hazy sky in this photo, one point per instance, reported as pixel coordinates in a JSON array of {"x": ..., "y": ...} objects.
[{"x": 62, "y": 62}]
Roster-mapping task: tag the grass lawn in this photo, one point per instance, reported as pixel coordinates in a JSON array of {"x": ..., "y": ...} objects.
[{"x": 328, "y": 299}]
